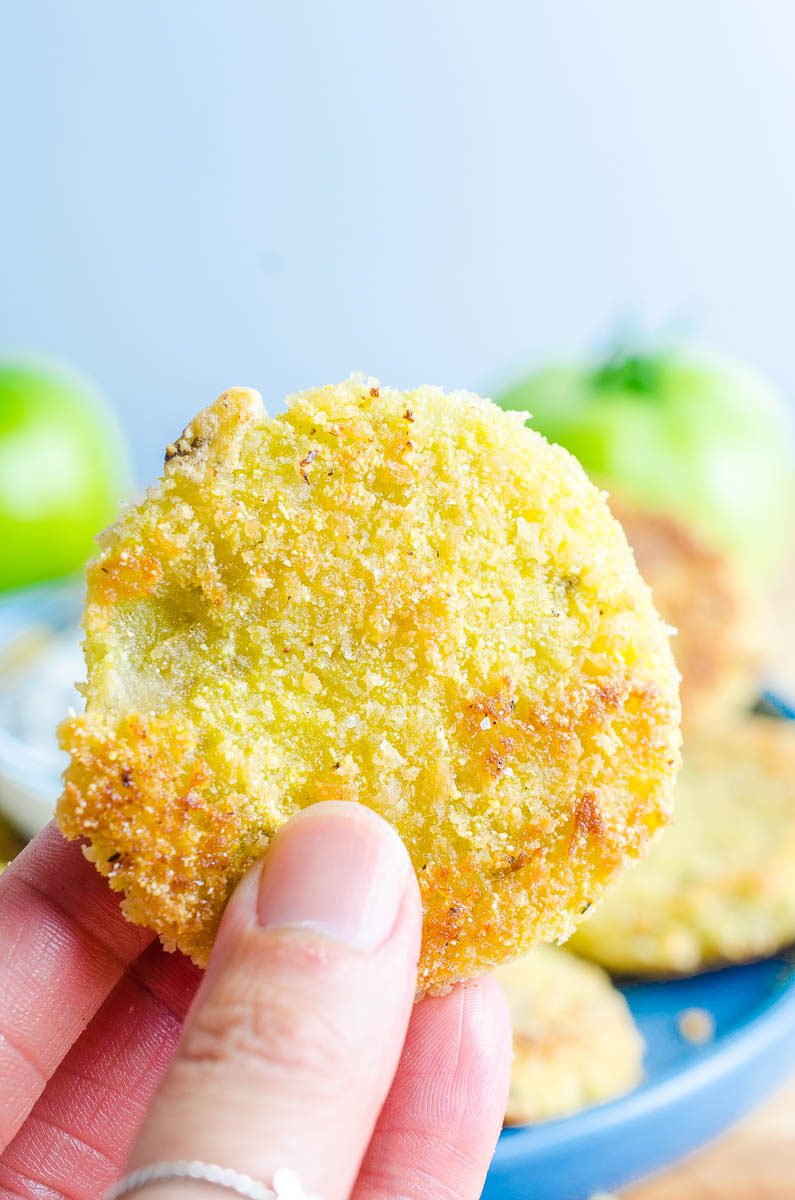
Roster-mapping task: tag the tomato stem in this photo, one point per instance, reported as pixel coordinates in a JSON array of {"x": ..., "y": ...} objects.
[{"x": 631, "y": 372}]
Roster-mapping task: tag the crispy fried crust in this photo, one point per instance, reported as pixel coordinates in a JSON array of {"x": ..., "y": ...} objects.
[
  {"x": 709, "y": 603},
  {"x": 575, "y": 1043},
  {"x": 407, "y": 600},
  {"x": 719, "y": 886}
]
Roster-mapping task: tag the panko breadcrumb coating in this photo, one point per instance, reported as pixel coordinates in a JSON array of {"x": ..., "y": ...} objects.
[
  {"x": 703, "y": 595},
  {"x": 574, "y": 1040},
  {"x": 405, "y": 599},
  {"x": 719, "y": 887}
]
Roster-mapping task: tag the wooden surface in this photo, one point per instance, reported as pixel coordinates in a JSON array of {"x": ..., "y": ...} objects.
[{"x": 755, "y": 1160}]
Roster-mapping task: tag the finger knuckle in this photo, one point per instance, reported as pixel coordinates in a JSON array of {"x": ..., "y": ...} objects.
[{"x": 276, "y": 1033}]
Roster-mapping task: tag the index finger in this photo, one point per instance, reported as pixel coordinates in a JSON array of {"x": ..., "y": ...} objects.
[{"x": 64, "y": 944}]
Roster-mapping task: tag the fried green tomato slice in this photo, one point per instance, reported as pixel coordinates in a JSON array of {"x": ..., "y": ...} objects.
[
  {"x": 719, "y": 887},
  {"x": 713, "y": 608},
  {"x": 403, "y": 599},
  {"x": 575, "y": 1043}
]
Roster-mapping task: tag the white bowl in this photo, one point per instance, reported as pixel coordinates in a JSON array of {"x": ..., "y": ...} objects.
[{"x": 40, "y": 661}]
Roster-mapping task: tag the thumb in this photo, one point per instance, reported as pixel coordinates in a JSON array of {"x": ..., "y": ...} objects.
[{"x": 294, "y": 1036}]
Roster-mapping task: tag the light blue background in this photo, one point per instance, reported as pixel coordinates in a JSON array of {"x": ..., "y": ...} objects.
[{"x": 197, "y": 194}]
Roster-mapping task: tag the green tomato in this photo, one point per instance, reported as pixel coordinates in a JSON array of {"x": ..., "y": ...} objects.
[
  {"x": 62, "y": 472},
  {"x": 704, "y": 440}
]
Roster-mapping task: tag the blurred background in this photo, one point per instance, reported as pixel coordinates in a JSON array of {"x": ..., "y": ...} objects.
[{"x": 201, "y": 194}]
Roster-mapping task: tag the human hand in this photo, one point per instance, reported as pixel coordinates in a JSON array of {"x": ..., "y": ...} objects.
[{"x": 302, "y": 1047}]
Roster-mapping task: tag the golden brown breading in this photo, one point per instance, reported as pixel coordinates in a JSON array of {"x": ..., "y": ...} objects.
[
  {"x": 720, "y": 884},
  {"x": 574, "y": 1040},
  {"x": 702, "y": 594},
  {"x": 404, "y": 599}
]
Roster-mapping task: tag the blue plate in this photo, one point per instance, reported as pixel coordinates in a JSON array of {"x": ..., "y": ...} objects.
[{"x": 690, "y": 1093}]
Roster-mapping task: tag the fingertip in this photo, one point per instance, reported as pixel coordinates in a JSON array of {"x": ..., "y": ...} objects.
[
  {"x": 336, "y": 868},
  {"x": 488, "y": 1047},
  {"x": 489, "y": 1014},
  {"x": 346, "y": 812},
  {"x": 441, "y": 1121},
  {"x": 465, "y": 1039}
]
